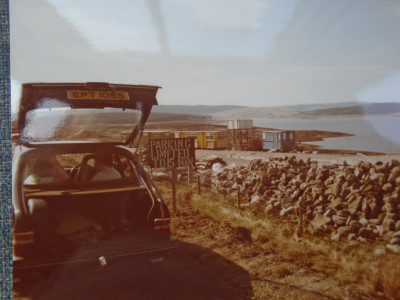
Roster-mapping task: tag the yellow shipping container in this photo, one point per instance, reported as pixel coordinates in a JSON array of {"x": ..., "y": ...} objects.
[
  {"x": 212, "y": 140},
  {"x": 188, "y": 134}
]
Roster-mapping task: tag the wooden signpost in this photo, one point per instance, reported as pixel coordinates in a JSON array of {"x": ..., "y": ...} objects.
[{"x": 172, "y": 154}]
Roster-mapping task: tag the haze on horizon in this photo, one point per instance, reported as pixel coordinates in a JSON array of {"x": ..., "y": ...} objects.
[{"x": 214, "y": 52}]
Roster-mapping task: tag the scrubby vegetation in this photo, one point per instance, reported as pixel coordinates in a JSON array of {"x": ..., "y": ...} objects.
[{"x": 366, "y": 270}]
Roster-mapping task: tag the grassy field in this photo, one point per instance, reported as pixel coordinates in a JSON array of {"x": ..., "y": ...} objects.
[{"x": 365, "y": 269}]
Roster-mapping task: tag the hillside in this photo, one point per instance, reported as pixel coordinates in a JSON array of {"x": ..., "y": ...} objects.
[
  {"x": 352, "y": 110},
  {"x": 169, "y": 117},
  {"x": 193, "y": 109},
  {"x": 224, "y": 112},
  {"x": 206, "y": 113},
  {"x": 367, "y": 109},
  {"x": 382, "y": 108}
]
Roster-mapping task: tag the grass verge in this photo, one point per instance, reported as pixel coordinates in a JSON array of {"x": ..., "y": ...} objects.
[{"x": 351, "y": 263}]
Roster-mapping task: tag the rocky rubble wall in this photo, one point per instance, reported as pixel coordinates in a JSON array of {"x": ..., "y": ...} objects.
[{"x": 357, "y": 202}]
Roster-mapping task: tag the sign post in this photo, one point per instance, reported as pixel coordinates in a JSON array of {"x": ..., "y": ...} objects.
[
  {"x": 172, "y": 154},
  {"x": 173, "y": 175}
]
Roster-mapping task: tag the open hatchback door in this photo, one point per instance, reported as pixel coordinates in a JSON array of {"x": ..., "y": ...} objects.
[
  {"x": 79, "y": 194},
  {"x": 92, "y": 112}
]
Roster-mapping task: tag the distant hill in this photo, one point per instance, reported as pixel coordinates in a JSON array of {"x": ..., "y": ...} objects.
[
  {"x": 352, "y": 110},
  {"x": 193, "y": 109},
  {"x": 382, "y": 108},
  {"x": 366, "y": 109},
  {"x": 202, "y": 113},
  {"x": 167, "y": 117},
  {"x": 254, "y": 112},
  {"x": 225, "y": 112},
  {"x": 317, "y": 106}
]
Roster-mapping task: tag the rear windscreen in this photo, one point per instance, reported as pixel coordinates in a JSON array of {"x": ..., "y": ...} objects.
[{"x": 57, "y": 123}]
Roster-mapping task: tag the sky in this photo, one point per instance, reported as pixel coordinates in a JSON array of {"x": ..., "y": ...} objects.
[{"x": 214, "y": 52}]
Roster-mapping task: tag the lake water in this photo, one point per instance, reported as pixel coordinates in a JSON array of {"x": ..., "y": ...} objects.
[{"x": 378, "y": 134}]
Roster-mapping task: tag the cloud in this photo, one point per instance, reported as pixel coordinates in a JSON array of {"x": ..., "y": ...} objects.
[
  {"x": 396, "y": 10},
  {"x": 386, "y": 90},
  {"x": 226, "y": 14},
  {"x": 108, "y": 27},
  {"x": 106, "y": 35},
  {"x": 392, "y": 10},
  {"x": 327, "y": 51}
]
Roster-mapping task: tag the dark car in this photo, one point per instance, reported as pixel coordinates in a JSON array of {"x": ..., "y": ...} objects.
[{"x": 64, "y": 212}]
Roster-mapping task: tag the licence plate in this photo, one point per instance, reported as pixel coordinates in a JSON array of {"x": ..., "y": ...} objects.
[{"x": 99, "y": 95}]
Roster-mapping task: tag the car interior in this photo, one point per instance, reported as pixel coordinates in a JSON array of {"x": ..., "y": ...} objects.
[{"x": 68, "y": 214}]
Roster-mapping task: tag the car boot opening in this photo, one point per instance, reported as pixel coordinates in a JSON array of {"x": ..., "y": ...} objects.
[{"x": 64, "y": 220}]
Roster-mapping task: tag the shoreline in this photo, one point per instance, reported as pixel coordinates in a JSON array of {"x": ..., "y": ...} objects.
[{"x": 302, "y": 136}]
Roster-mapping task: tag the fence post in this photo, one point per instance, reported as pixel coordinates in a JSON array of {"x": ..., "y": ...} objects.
[
  {"x": 300, "y": 229},
  {"x": 238, "y": 197},
  {"x": 189, "y": 171},
  {"x": 173, "y": 180},
  {"x": 198, "y": 185}
]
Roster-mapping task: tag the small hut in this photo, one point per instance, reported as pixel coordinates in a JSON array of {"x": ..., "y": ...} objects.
[{"x": 278, "y": 139}]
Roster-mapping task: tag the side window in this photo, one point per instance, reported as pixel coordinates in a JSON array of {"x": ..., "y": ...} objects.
[
  {"x": 46, "y": 169},
  {"x": 101, "y": 166},
  {"x": 129, "y": 170},
  {"x": 126, "y": 167},
  {"x": 268, "y": 136}
]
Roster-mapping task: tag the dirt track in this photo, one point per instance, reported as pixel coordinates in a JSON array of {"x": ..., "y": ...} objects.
[{"x": 271, "y": 275}]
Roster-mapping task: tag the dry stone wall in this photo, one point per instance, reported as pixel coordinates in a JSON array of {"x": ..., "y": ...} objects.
[
  {"x": 208, "y": 162},
  {"x": 359, "y": 201}
]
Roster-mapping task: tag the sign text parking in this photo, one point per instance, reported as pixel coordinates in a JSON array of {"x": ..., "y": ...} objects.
[{"x": 172, "y": 153}]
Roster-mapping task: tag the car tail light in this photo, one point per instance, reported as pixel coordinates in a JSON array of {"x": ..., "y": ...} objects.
[
  {"x": 23, "y": 242},
  {"x": 162, "y": 227}
]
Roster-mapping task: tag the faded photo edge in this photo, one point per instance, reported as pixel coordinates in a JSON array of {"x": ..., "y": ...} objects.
[{"x": 5, "y": 163}]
